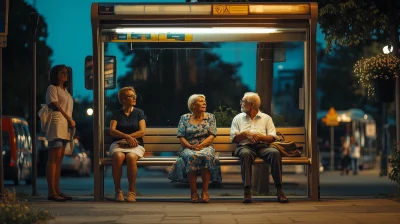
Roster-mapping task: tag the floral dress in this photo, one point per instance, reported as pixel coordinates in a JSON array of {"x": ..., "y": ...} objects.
[{"x": 189, "y": 160}]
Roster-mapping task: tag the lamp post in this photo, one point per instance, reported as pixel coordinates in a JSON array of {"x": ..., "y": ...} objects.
[{"x": 386, "y": 50}]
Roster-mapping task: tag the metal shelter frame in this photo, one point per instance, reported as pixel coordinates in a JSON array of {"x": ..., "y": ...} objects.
[{"x": 296, "y": 22}]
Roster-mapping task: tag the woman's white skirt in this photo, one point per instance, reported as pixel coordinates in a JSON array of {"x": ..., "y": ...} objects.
[{"x": 120, "y": 146}]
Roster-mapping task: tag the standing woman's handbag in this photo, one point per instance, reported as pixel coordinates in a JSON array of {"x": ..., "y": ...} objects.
[{"x": 286, "y": 148}]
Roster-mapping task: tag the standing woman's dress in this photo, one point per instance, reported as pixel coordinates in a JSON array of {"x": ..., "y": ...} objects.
[
  {"x": 58, "y": 126},
  {"x": 189, "y": 160}
]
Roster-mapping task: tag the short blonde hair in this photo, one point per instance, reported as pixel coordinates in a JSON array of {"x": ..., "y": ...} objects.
[
  {"x": 192, "y": 99},
  {"x": 122, "y": 91},
  {"x": 253, "y": 98}
]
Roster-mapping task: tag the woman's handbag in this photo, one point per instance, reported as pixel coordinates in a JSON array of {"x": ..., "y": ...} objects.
[
  {"x": 45, "y": 117},
  {"x": 286, "y": 148}
]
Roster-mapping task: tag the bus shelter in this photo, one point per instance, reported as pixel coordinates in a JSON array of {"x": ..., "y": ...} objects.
[{"x": 210, "y": 22}]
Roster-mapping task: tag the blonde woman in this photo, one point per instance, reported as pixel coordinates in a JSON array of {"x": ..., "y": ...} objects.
[
  {"x": 127, "y": 126},
  {"x": 196, "y": 132}
]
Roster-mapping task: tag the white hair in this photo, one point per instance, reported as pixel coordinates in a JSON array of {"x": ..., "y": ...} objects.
[
  {"x": 192, "y": 99},
  {"x": 253, "y": 98}
]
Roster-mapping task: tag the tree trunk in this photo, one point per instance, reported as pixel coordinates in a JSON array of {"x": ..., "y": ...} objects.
[{"x": 264, "y": 83}]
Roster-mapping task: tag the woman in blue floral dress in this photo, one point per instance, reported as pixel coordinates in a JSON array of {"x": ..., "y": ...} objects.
[{"x": 196, "y": 132}]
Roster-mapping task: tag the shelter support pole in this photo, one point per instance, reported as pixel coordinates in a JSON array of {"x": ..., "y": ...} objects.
[
  {"x": 311, "y": 106},
  {"x": 1, "y": 125},
  {"x": 98, "y": 189}
]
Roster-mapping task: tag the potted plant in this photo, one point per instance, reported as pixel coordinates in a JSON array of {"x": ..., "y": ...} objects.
[
  {"x": 394, "y": 160},
  {"x": 378, "y": 75}
]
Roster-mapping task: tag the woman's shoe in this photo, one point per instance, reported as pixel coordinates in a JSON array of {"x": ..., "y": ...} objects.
[
  {"x": 65, "y": 196},
  {"x": 194, "y": 198},
  {"x": 131, "y": 196},
  {"x": 56, "y": 197},
  {"x": 205, "y": 197}
]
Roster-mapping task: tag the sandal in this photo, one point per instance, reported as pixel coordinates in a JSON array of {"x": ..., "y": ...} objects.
[
  {"x": 56, "y": 197},
  {"x": 65, "y": 196}
]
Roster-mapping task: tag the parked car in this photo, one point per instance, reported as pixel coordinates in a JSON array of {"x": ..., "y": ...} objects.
[
  {"x": 78, "y": 162},
  {"x": 17, "y": 150}
]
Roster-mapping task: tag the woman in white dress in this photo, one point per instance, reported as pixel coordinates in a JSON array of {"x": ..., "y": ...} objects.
[
  {"x": 58, "y": 133},
  {"x": 127, "y": 126}
]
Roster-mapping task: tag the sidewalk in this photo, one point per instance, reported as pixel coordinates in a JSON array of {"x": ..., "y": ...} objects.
[{"x": 221, "y": 211}]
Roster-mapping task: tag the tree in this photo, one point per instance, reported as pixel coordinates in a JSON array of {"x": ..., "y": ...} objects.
[
  {"x": 335, "y": 73},
  {"x": 166, "y": 74},
  {"x": 17, "y": 61},
  {"x": 355, "y": 21}
]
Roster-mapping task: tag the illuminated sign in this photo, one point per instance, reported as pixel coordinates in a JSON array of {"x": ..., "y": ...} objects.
[
  {"x": 230, "y": 9},
  {"x": 165, "y": 37},
  {"x": 122, "y": 37},
  {"x": 175, "y": 37}
]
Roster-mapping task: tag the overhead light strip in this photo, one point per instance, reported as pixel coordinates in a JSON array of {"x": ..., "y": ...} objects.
[{"x": 214, "y": 30}]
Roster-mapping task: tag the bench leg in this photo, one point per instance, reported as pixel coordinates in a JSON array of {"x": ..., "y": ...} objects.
[{"x": 313, "y": 188}]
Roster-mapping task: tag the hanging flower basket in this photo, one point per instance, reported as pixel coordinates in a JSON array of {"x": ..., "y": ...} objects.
[{"x": 378, "y": 74}]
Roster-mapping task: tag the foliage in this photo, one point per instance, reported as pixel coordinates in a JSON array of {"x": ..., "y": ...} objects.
[
  {"x": 17, "y": 61},
  {"x": 354, "y": 21},
  {"x": 279, "y": 120},
  {"x": 394, "y": 160},
  {"x": 14, "y": 211},
  {"x": 380, "y": 66},
  {"x": 164, "y": 75},
  {"x": 334, "y": 73},
  {"x": 224, "y": 116}
]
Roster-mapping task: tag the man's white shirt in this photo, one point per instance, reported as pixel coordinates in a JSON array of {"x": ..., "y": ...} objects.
[{"x": 261, "y": 123}]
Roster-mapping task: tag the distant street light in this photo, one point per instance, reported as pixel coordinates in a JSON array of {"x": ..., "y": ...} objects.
[
  {"x": 387, "y": 49},
  {"x": 89, "y": 111}
]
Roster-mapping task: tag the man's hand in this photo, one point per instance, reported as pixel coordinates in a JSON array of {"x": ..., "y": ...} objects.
[{"x": 255, "y": 138}]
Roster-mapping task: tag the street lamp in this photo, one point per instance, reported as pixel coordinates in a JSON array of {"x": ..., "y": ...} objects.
[
  {"x": 89, "y": 111},
  {"x": 387, "y": 49}
]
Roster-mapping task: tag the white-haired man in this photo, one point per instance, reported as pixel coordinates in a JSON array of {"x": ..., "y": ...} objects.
[{"x": 252, "y": 130}]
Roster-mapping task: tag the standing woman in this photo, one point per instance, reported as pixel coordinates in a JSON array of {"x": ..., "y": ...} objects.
[{"x": 58, "y": 133}]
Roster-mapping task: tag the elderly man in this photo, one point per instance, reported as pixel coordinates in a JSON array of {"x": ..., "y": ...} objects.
[{"x": 252, "y": 130}]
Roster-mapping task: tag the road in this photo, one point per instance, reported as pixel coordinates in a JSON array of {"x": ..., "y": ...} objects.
[{"x": 156, "y": 184}]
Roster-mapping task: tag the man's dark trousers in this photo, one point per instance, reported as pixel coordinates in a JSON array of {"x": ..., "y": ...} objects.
[{"x": 248, "y": 153}]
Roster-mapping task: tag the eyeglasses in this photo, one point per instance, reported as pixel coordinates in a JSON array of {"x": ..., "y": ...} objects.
[
  {"x": 244, "y": 101},
  {"x": 131, "y": 96}
]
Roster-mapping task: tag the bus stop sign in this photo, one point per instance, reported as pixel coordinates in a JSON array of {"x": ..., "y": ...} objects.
[{"x": 331, "y": 118}]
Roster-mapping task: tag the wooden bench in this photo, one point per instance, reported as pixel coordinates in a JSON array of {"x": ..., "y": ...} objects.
[{"x": 164, "y": 140}]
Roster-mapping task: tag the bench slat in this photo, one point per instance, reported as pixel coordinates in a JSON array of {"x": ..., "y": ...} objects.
[
  {"x": 167, "y": 161},
  {"x": 218, "y": 139},
  {"x": 220, "y": 131},
  {"x": 177, "y": 147}
]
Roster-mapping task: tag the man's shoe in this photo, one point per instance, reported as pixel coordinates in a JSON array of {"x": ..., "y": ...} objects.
[
  {"x": 247, "y": 195},
  {"x": 281, "y": 197},
  {"x": 131, "y": 196},
  {"x": 119, "y": 197}
]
